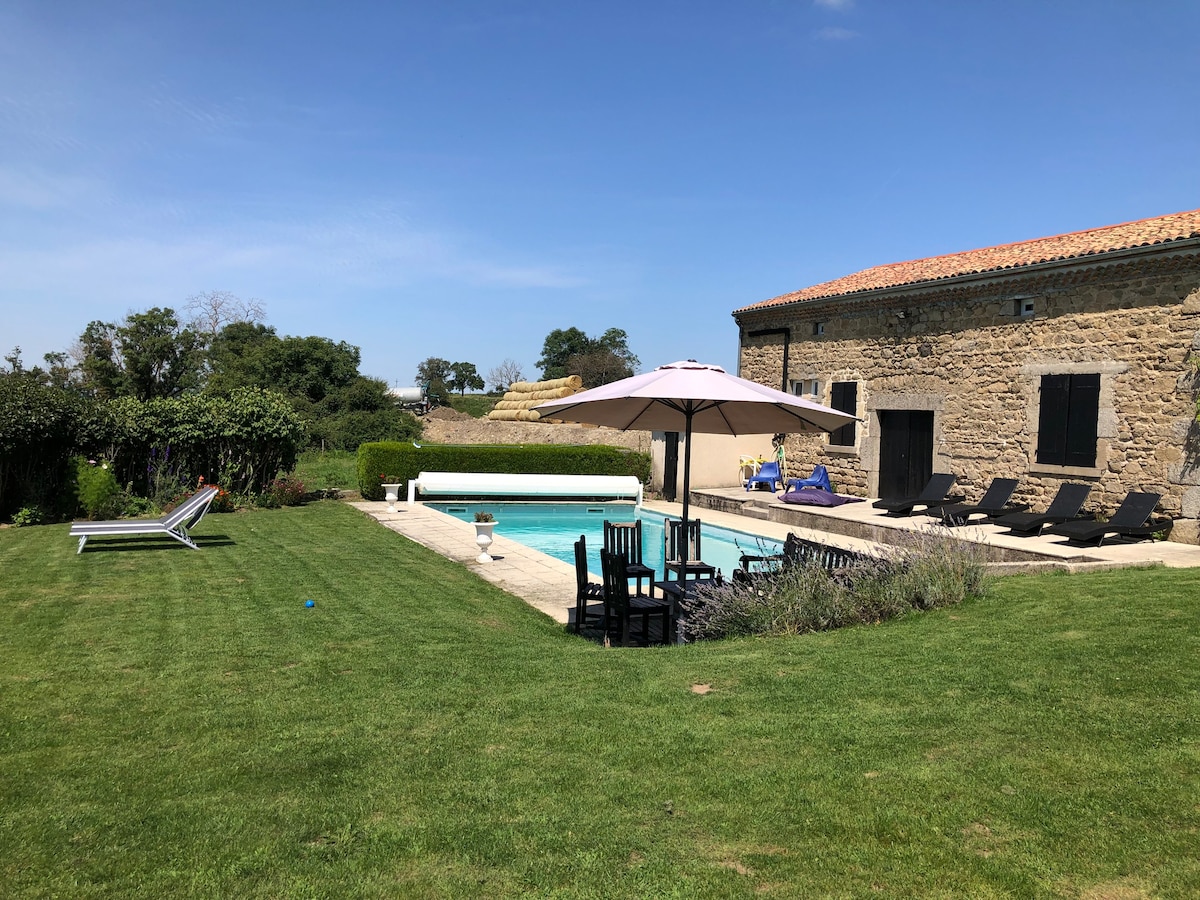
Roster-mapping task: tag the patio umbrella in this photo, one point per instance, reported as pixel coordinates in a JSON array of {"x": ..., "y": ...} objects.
[{"x": 689, "y": 397}]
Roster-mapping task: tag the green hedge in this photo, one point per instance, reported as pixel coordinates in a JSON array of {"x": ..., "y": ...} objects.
[
  {"x": 393, "y": 462},
  {"x": 40, "y": 428},
  {"x": 240, "y": 441}
]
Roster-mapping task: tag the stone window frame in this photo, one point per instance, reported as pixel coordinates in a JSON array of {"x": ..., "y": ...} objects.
[
  {"x": 798, "y": 386},
  {"x": 1106, "y": 417},
  {"x": 861, "y": 427},
  {"x": 871, "y": 428}
]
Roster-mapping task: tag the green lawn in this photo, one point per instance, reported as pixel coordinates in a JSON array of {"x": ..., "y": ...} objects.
[{"x": 177, "y": 723}]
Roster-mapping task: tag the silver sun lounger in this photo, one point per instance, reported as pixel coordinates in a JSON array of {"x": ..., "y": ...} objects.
[{"x": 174, "y": 524}]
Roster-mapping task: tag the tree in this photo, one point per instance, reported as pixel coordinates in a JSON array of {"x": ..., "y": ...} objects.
[
  {"x": 149, "y": 355},
  {"x": 433, "y": 369},
  {"x": 435, "y": 374},
  {"x": 310, "y": 367},
  {"x": 503, "y": 375},
  {"x": 597, "y": 367},
  {"x": 463, "y": 376},
  {"x": 98, "y": 361},
  {"x": 596, "y": 360},
  {"x": 318, "y": 376},
  {"x": 160, "y": 357},
  {"x": 560, "y": 345},
  {"x": 211, "y": 311},
  {"x": 237, "y": 356}
]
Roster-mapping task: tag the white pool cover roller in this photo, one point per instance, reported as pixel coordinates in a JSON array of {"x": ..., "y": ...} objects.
[{"x": 486, "y": 484}]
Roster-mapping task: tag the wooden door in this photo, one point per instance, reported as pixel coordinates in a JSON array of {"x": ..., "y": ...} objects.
[{"x": 905, "y": 451}]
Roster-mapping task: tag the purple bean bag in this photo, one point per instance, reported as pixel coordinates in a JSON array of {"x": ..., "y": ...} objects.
[{"x": 817, "y": 497}]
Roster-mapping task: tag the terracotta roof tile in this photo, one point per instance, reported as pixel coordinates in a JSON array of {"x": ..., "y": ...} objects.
[{"x": 1142, "y": 233}]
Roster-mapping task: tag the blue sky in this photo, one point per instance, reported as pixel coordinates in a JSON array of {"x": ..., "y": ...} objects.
[{"x": 457, "y": 179}]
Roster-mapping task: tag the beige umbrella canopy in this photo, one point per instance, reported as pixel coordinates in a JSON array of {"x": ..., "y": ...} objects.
[{"x": 692, "y": 397}]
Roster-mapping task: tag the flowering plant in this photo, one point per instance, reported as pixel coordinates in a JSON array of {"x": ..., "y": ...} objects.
[
  {"x": 390, "y": 479},
  {"x": 484, "y": 517}
]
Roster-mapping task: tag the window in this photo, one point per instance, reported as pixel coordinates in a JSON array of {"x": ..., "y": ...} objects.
[
  {"x": 1067, "y": 417},
  {"x": 818, "y": 329},
  {"x": 1023, "y": 306},
  {"x": 843, "y": 396},
  {"x": 809, "y": 388}
]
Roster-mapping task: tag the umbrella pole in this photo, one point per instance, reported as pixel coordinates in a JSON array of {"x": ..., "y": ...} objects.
[{"x": 687, "y": 485}]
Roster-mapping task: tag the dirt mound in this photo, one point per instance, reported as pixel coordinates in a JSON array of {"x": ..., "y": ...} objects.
[{"x": 446, "y": 414}]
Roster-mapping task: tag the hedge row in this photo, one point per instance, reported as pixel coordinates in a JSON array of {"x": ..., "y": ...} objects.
[
  {"x": 40, "y": 428},
  {"x": 389, "y": 462},
  {"x": 240, "y": 441}
]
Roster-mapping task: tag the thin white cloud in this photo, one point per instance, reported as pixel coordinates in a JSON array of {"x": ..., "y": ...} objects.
[
  {"x": 837, "y": 5},
  {"x": 23, "y": 190},
  {"x": 836, "y": 34},
  {"x": 361, "y": 249}
]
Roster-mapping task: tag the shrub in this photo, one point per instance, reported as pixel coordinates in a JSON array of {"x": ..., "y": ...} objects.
[
  {"x": 97, "y": 490},
  {"x": 28, "y": 515},
  {"x": 224, "y": 502},
  {"x": 245, "y": 439},
  {"x": 283, "y": 491},
  {"x": 926, "y": 571}
]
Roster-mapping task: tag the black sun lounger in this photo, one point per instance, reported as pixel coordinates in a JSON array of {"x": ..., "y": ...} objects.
[
  {"x": 935, "y": 493},
  {"x": 1131, "y": 520},
  {"x": 174, "y": 524},
  {"x": 1064, "y": 507},
  {"x": 994, "y": 502}
]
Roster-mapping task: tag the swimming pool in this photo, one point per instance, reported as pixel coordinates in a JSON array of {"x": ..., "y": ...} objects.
[{"x": 553, "y": 529}]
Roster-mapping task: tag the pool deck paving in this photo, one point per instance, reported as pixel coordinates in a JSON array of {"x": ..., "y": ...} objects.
[{"x": 548, "y": 584}]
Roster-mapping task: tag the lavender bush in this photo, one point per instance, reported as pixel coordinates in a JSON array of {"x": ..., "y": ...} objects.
[{"x": 926, "y": 570}]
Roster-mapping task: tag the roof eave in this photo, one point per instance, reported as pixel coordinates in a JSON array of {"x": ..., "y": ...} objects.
[{"x": 899, "y": 290}]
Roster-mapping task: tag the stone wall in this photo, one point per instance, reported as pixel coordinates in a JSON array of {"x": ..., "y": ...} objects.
[{"x": 966, "y": 352}]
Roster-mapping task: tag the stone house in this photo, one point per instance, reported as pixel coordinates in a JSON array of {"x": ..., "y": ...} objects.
[{"x": 1066, "y": 358}]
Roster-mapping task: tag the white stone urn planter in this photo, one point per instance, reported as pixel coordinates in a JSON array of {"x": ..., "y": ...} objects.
[
  {"x": 483, "y": 540},
  {"x": 391, "y": 494}
]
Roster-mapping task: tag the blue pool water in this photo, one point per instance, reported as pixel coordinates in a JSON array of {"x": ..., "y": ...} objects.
[{"x": 553, "y": 529}]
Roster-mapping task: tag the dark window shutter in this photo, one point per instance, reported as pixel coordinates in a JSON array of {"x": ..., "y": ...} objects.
[
  {"x": 1081, "y": 421},
  {"x": 1052, "y": 420},
  {"x": 843, "y": 396},
  {"x": 1067, "y": 420}
]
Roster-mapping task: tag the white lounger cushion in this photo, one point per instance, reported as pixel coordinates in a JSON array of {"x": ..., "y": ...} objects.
[{"x": 484, "y": 484}]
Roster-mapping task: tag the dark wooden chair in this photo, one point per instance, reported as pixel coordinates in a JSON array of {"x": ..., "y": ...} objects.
[
  {"x": 589, "y": 596},
  {"x": 625, "y": 539},
  {"x": 796, "y": 551},
  {"x": 621, "y": 607},
  {"x": 673, "y": 547}
]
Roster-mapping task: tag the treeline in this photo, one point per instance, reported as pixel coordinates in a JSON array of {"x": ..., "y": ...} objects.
[
  {"x": 161, "y": 402},
  {"x": 220, "y": 346}
]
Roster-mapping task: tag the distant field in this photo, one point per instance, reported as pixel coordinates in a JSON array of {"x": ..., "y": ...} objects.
[{"x": 477, "y": 405}]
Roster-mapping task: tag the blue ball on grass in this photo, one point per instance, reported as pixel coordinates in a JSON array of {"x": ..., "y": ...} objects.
[{"x": 310, "y": 603}]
